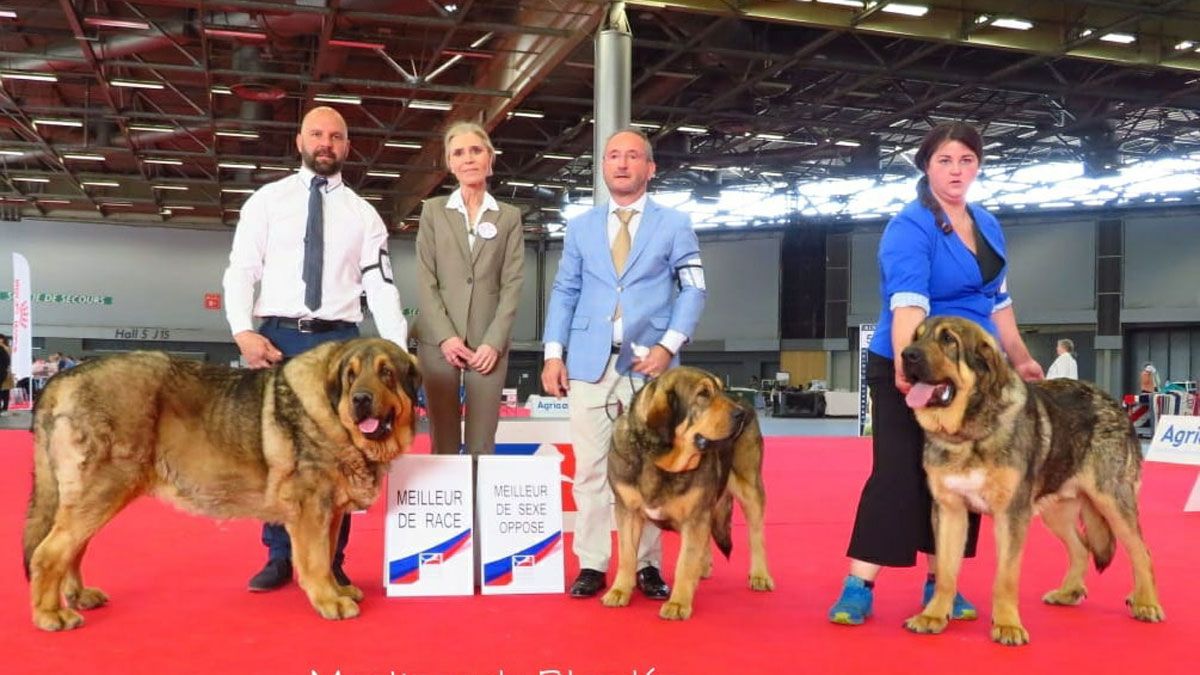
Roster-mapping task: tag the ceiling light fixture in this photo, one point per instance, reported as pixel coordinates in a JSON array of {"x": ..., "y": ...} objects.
[
  {"x": 237, "y": 165},
  {"x": 769, "y": 137},
  {"x": 137, "y": 84},
  {"x": 100, "y": 183},
  {"x": 383, "y": 174},
  {"x": 848, "y": 144},
  {"x": 856, "y": 4},
  {"x": 419, "y": 104},
  {"x": 905, "y": 9},
  {"x": 102, "y": 22},
  {"x": 405, "y": 145},
  {"x": 692, "y": 130},
  {"x": 265, "y": 167},
  {"x": 222, "y": 89},
  {"x": 646, "y": 125},
  {"x": 703, "y": 167},
  {"x": 1013, "y": 24},
  {"x": 238, "y": 191},
  {"x": 1186, "y": 44},
  {"x": 373, "y": 198},
  {"x": 30, "y": 179},
  {"x": 556, "y": 155},
  {"x": 1119, "y": 38},
  {"x": 11, "y": 153},
  {"x": 164, "y": 161},
  {"x": 53, "y": 201},
  {"x": 230, "y": 133},
  {"x": 531, "y": 114},
  {"x": 50, "y": 122},
  {"x": 519, "y": 183},
  {"x": 8, "y": 14},
  {"x": 338, "y": 98},
  {"x": 151, "y": 128},
  {"x": 25, "y": 75},
  {"x": 83, "y": 157},
  {"x": 178, "y": 188}
]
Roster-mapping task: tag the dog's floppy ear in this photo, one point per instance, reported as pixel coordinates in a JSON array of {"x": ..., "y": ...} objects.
[
  {"x": 334, "y": 367},
  {"x": 656, "y": 406},
  {"x": 984, "y": 357}
]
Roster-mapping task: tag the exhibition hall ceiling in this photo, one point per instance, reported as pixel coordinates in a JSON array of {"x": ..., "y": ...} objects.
[{"x": 170, "y": 112}]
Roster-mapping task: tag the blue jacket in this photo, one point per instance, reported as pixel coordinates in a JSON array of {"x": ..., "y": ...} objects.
[
  {"x": 586, "y": 289},
  {"x": 920, "y": 266}
]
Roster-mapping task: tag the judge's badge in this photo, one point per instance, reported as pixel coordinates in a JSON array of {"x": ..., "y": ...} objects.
[{"x": 486, "y": 230}]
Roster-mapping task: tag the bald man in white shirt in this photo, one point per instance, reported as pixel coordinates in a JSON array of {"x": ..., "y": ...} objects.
[{"x": 314, "y": 247}]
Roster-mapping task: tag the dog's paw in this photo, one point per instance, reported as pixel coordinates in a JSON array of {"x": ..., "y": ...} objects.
[
  {"x": 1151, "y": 612},
  {"x": 1013, "y": 636},
  {"x": 336, "y": 608},
  {"x": 353, "y": 592},
  {"x": 762, "y": 582},
  {"x": 675, "y": 611},
  {"x": 59, "y": 619},
  {"x": 923, "y": 623},
  {"x": 1065, "y": 596},
  {"x": 90, "y": 598},
  {"x": 616, "y": 597}
]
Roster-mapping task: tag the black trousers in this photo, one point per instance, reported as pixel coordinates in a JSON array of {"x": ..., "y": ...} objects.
[{"x": 894, "y": 519}]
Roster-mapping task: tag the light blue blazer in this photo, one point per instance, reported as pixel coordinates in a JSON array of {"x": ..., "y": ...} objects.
[{"x": 662, "y": 288}]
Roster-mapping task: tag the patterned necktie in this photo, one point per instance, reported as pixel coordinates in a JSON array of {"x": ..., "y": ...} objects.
[
  {"x": 314, "y": 245},
  {"x": 621, "y": 245}
]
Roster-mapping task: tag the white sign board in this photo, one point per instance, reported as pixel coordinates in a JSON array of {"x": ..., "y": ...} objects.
[
  {"x": 1176, "y": 440},
  {"x": 543, "y": 438},
  {"x": 520, "y": 525},
  {"x": 429, "y": 527},
  {"x": 547, "y": 406},
  {"x": 866, "y": 331}
]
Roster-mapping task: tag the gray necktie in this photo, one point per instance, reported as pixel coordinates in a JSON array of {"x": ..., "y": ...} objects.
[{"x": 314, "y": 245}]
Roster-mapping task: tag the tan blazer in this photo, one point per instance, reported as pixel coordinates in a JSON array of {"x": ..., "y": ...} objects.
[{"x": 471, "y": 293}]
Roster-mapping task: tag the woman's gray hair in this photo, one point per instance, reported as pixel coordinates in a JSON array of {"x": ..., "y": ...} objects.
[
  {"x": 1067, "y": 345},
  {"x": 465, "y": 127}
]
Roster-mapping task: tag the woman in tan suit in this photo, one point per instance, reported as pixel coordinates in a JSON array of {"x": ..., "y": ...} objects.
[{"x": 470, "y": 263}]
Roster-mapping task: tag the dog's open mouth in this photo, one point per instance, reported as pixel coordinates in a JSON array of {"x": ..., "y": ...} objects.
[
  {"x": 930, "y": 395},
  {"x": 377, "y": 428}
]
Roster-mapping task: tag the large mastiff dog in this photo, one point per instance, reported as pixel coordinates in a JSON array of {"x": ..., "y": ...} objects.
[
  {"x": 995, "y": 444},
  {"x": 680, "y": 456},
  {"x": 299, "y": 444}
]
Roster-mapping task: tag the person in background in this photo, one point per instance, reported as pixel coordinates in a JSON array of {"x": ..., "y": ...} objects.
[
  {"x": 627, "y": 297},
  {"x": 1064, "y": 367},
  {"x": 1149, "y": 380},
  {"x": 939, "y": 256},
  {"x": 6, "y": 376},
  {"x": 313, "y": 246},
  {"x": 470, "y": 264}
]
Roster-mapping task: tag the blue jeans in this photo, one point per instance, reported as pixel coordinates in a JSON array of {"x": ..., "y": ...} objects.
[{"x": 291, "y": 343}]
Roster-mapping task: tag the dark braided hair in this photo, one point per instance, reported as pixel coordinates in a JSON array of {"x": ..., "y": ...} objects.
[{"x": 934, "y": 139}]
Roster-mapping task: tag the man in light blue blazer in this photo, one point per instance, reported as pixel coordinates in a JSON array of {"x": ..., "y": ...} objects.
[{"x": 627, "y": 297}]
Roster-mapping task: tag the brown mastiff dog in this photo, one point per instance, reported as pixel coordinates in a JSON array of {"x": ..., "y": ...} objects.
[
  {"x": 995, "y": 444},
  {"x": 299, "y": 444},
  {"x": 680, "y": 455}
]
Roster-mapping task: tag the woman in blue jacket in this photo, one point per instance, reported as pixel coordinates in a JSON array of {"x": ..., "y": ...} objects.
[{"x": 939, "y": 256}]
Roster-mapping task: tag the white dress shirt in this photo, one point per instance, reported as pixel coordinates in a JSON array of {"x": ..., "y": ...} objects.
[
  {"x": 268, "y": 249},
  {"x": 672, "y": 340},
  {"x": 455, "y": 201},
  {"x": 1064, "y": 367}
]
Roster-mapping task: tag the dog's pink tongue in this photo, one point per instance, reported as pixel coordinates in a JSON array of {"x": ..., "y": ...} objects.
[
  {"x": 369, "y": 425},
  {"x": 920, "y": 395}
]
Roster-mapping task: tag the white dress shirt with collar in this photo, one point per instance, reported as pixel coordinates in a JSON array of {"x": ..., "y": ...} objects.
[
  {"x": 268, "y": 249},
  {"x": 455, "y": 201},
  {"x": 672, "y": 340}
]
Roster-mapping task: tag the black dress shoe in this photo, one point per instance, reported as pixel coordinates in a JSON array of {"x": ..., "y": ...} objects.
[
  {"x": 587, "y": 584},
  {"x": 339, "y": 575},
  {"x": 651, "y": 583},
  {"x": 276, "y": 573}
]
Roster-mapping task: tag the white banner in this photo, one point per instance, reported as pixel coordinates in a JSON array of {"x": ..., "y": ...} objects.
[
  {"x": 520, "y": 525},
  {"x": 22, "y": 324},
  {"x": 429, "y": 527},
  {"x": 1176, "y": 440},
  {"x": 550, "y": 438},
  {"x": 866, "y": 331}
]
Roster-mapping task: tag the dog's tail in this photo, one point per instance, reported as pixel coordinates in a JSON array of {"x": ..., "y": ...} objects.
[
  {"x": 1097, "y": 535},
  {"x": 43, "y": 500},
  {"x": 722, "y": 524}
]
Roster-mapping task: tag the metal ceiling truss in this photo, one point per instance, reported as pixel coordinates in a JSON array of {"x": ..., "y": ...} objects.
[{"x": 733, "y": 92}]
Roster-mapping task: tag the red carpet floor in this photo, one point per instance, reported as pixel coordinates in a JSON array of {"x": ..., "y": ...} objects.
[{"x": 179, "y": 605}]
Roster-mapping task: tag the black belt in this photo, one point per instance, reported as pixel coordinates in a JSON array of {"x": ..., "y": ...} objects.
[
  {"x": 616, "y": 349},
  {"x": 307, "y": 325}
]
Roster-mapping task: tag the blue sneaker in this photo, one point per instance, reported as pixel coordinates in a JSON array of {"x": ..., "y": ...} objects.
[
  {"x": 853, "y": 606},
  {"x": 963, "y": 609}
]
